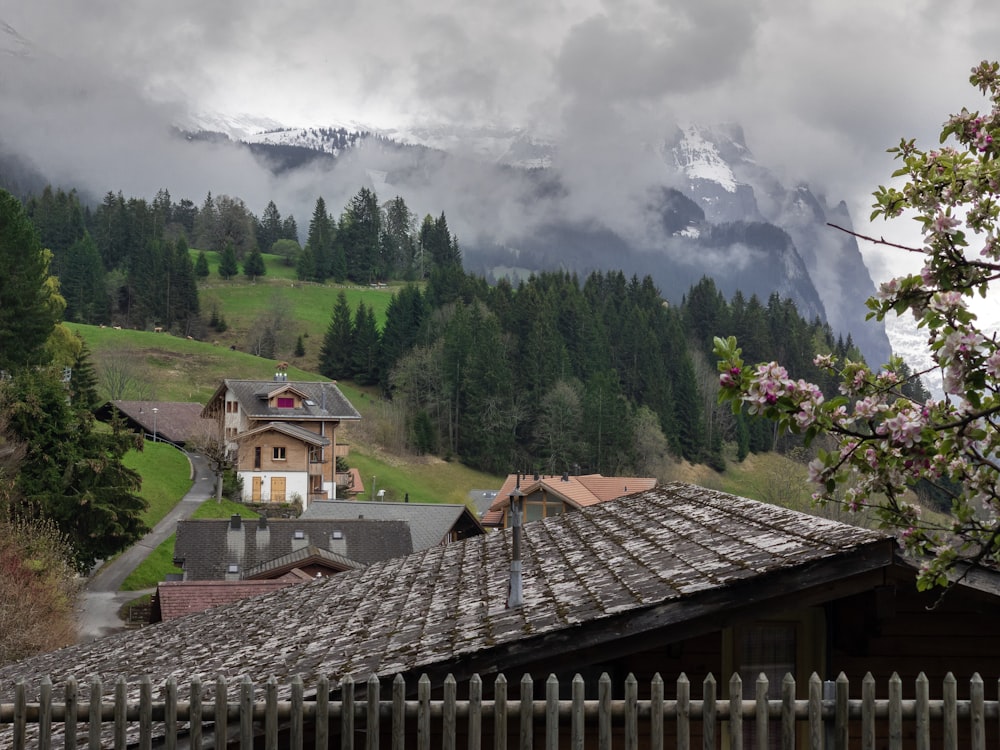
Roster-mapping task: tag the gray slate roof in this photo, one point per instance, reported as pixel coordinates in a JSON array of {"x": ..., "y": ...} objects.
[
  {"x": 327, "y": 402},
  {"x": 209, "y": 546},
  {"x": 641, "y": 561},
  {"x": 430, "y": 523}
]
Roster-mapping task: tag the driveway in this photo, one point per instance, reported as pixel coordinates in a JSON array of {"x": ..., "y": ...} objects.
[{"x": 97, "y": 611}]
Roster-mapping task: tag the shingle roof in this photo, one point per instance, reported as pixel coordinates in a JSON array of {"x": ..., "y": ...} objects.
[
  {"x": 322, "y": 400},
  {"x": 209, "y": 546},
  {"x": 580, "y": 491},
  {"x": 639, "y": 563},
  {"x": 430, "y": 523},
  {"x": 176, "y": 421}
]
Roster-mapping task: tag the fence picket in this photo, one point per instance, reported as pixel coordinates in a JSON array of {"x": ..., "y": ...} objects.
[
  {"x": 323, "y": 713},
  {"x": 841, "y": 731},
  {"x": 372, "y": 721},
  {"x": 683, "y": 712},
  {"x": 45, "y": 714},
  {"x": 604, "y": 712},
  {"x": 424, "y": 713},
  {"x": 71, "y": 709},
  {"x": 500, "y": 713},
  {"x": 146, "y": 713},
  {"x": 976, "y": 717},
  {"x": 788, "y": 712},
  {"x": 736, "y": 712},
  {"x": 297, "y": 730},
  {"x": 552, "y": 713},
  {"x": 761, "y": 710},
  {"x": 656, "y": 713},
  {"x": 195, "y": 716},
  {"x": 922, "y": 688},
  {"x": 868, "y": 712},
  {"x": 170, "y": 714},
  {"x": 577, "y": 718},
  {"x": 399, "y": 712},
  {"x": 121, "y": 706},
  {"x": 708, "y": 713},
  {"x": 94, "y": 714},
  {"x": 950, "y": 712},
  {"x": 448, "y": 719},
  {"x": 347, "y": 713},
  {"x": 475, "y": 713},
  {"x": 246, "y": 713},
  {"x": 220, "y": 729}
]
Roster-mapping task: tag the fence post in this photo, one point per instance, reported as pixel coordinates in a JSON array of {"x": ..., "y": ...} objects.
[
  {"x": 950, "y": 695},
  {"x": 977, "y": 718},
  {"x": 762, "y": 713},
  {"x": 604, "y": 712},
  {"x": 399, "y": 712},
  {"x": 656, "y": 713},
  {"x": 895, "y": 712},
  {"x": 683, "y": 712},
  {"x": 374, "y": 698},
  {"x": 170, "y": 713},
  {"x": 552, "y": 713},
  {"x": 788, "y": 711},
  {"x": 577, "y": 721},
  {"x": 121, "y": 706},
  {"x": 447, "y": 714},
  {"x": 196, "y": 718},
  {"x": 246, "y": 713},
  {"x": 424, "y": 713},
  {"x": 220, "y": 730},
  {"x": 297, "y": 730},
  {"x": 323, "y": 713},
  {"x": 347, "y": 713},
  {"x": 816, "y": 729},
  {"x": 71, "y": 712},
  {"x": 631, "y": 712},
  {"x": 841, "y": 718},
  {"x": 708, "y": 711},
  {"x": 20, "y": 714},
  {"x": 500, "y": 713},
  {"x": 736, "y": 712},
  {"x": 475, "y": 721},
  {"x": 271, "y": 713},
  {"x": 45, "y": 714},
  {"x": 525, "y": 708},
  {"x": 145, "y": 712},
  {"x": 923, "y": 712},
  {"x": 96, "y": 696},
  {"x": 868, "y": 712}
]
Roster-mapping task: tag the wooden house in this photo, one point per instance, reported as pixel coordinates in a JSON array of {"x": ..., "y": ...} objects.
[
  {"x": 284, "y": 436},
  {"x": 547, "y": 495},
  {"x": 673, "y": 579}
]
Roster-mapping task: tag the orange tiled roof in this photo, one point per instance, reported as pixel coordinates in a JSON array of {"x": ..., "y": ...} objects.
[{"x": 576, "y": 491}]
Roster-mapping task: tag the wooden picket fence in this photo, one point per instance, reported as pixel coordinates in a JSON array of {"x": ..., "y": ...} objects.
[{"x": 237, "y": 715}]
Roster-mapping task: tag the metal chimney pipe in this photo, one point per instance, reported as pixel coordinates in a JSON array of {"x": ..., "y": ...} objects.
[{"x": 516, "y": 595}]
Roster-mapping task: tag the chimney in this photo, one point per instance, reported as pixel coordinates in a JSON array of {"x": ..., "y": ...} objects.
[
  {"x": 235, "y": 521},
  {"x": 516, "y": 596},
  {"x": 565, "y": 476}
]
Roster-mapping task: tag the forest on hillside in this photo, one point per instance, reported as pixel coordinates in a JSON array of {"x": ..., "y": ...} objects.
[{"x": 553, "y": 374}]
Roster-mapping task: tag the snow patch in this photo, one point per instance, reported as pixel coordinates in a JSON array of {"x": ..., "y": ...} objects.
[{"x": 699, "y": 159}]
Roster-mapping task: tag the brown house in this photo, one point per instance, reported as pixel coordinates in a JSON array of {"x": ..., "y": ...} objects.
[
  {"x": 674, "y": 579},
  {"x": 284, "y": 436},
  {"x": 553, "y": 495}
]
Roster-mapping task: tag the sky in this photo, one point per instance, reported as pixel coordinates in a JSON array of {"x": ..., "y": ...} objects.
[{"x": 821, "y": 89}]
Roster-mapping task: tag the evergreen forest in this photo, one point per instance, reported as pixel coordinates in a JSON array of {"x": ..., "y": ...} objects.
[{"x": 553, "y": 373}]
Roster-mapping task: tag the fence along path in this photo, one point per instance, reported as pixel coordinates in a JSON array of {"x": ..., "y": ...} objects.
[{"x": 239, "y": 715}]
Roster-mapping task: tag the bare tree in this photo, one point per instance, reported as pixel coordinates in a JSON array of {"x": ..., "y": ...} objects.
[
  {"x": 210, "y": 441},
  {"x": 122, "y": 376}
]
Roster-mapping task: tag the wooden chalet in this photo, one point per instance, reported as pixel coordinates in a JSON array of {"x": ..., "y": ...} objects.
[{"x": 284, "y": 436}]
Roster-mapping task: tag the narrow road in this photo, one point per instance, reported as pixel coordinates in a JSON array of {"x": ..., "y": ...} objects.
[{"x": 97, "y": 612}]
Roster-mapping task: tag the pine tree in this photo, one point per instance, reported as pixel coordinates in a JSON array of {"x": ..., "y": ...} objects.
[
  {"x": 335, "y": 354},
  {"x": 73, "y": 474},
  {"x": 228, "y": 266},
  {"x": 269, "y": 229},
  {"x": 82, "y": 283},
  {"x": 201, "y": 265},
  {"x": 30, "y": 305},
  {"x": 184, "y": 307},
  {"x": 365, "y": 346},
  {"x": 320, "y": 242},
  {"x": 253, "y": 266}
]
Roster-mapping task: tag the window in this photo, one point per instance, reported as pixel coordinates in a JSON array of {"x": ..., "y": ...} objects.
[
  {"x": 256, "y": 457},
  {"x": 230, "y": 432},
  {"x": 286, "y": 402},
  {"x": 233, "y": 568},
  {"x": 537, "y": 507},
  {"x": 278, "y": 453}
]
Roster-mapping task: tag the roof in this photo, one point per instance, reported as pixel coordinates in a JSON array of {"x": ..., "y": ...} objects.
[
  {"x": 210, "y": 547},
  {"x": 299, "y": 558},
  {"x": 179, "y": 598},
  {"x": 630, "y": 568},
  {"x": 292, "y": 430},
  {"x": 175, "y": 421},
  {"x": 577, "y": 491},
  {"x": 321, "y": 400},
  {"x": 430, "y": 523}
]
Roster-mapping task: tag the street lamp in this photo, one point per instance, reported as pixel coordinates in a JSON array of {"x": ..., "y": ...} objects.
[{"x": 154, "y": 423}]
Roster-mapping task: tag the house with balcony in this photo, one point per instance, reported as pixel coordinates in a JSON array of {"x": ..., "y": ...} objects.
[{"x": 285, "y": 436}]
